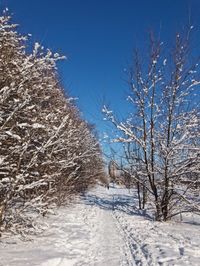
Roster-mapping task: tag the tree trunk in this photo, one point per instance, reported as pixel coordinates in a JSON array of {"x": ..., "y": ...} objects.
[
  {"x": 139, "y": 197},
  {"x": 144, "y": 199}
]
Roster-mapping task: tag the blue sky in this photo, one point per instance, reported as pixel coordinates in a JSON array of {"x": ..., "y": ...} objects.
[{"x": 98, "y": 38}]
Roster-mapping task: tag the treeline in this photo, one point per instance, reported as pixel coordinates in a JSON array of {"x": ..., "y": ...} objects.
[{"x": 47, "y": 151}]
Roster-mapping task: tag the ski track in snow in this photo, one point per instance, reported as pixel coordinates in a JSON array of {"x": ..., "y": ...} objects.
[
  {"x": 154, "y": 243},
  {"x": 80, "y": 235},
  {"x": 104, "y": 228}
]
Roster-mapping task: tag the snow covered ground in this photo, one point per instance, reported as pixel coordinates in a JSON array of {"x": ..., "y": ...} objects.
[{"x": 105, "y": 229}]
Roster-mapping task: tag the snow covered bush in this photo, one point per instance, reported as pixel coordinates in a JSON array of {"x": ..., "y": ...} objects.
[
  {"x": 46, "y": 150},
  {"x": 161, "y": 138}
]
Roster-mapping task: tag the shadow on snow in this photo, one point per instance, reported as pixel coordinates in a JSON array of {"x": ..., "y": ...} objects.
[{"x": 116, "y": 202}]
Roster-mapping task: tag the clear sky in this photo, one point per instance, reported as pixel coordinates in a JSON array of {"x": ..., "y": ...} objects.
[{"x": 98, "y": 37}]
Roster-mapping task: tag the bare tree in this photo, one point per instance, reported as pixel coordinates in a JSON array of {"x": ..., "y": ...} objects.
[{"x": 163, "y": 129}]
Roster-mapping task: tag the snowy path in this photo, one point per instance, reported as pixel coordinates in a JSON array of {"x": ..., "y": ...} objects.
[
  {"x": 81, "y": 235},
  {"x": 105, "y": 229}
]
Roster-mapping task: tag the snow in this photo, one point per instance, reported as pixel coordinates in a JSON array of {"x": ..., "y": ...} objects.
[
  {"x": 15, "y": 136},
  {"x": 165, "y": 62},
  {"x": 102, "y": 228},
  {"x": 37, "y": 125}
]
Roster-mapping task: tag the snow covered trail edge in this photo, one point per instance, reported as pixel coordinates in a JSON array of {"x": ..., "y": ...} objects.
[
  {"x": 81, "y": 234},
  {"x": 104, "y": 228}
]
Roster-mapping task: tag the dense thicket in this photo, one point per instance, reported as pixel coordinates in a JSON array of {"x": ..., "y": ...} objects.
[{"x": 47, "y": 151}]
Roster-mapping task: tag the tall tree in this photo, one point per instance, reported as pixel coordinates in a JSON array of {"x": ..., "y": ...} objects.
[{"x": 163, "y": 130}]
